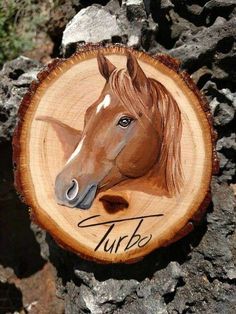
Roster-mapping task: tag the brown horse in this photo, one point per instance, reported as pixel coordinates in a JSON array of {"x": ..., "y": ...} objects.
[{"x": 132, "y": 130}]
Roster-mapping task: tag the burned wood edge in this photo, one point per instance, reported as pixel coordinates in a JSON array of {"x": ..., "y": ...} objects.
[{"x": 170, "y": 63}]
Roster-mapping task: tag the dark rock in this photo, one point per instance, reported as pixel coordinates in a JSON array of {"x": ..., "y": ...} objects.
[
  {"x": 20, "y": 260},
  {"x": 103, "y": 297},
  {"x": 166, "y": 4},
  {"x": 224, "y": 115},
  {"x": 153, "y": 305},
  {"x": 11, "y": 298},
  {"x": 196, "y": 47},
  {"x": 195, "y": 9},
  {"x": 60, "y": 15},
  {"x": 113, "y": 6},
  {"x": 222, "y": 104},
  {"x": 164, "y": 281},
  {"x": 212, "y": 4},
  {"x": 147, "y": 5},
  {"x": 224, "y": 58},
  {"x": 15, "y": 78},
  {"x": 40, "y": 236},
  {"x": 223, "y": 160},
  {"x": 73, "y": 302},
  {"x": 227, "y": 142},
  {"x": 232, "y": 13},
  {"x": 212, "y": 262},
  {"x": 202, "y": 76},
  {"x": 226, "y": 147},
  {"x": 179, "y": 26},
  {"x": 197, "y": 274},
  {"x": 135, "y": 10}
]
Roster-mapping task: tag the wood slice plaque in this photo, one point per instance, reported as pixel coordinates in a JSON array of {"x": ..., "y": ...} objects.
[{"x": 114, "y": 152}]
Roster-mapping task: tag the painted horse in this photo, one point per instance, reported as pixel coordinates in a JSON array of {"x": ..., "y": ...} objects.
[{"x": 133, "y": 130}]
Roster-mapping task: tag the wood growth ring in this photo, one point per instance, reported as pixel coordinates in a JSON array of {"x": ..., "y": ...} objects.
[{"x": 114, "y": 152}]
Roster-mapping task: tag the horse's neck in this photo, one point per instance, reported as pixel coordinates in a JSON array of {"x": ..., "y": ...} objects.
[
  {"x": 157, "y": 178},
  {"x": 150, "y": 184}
]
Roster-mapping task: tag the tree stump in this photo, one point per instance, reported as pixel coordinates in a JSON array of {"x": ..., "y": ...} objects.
[{"x": 114, "y": 152}]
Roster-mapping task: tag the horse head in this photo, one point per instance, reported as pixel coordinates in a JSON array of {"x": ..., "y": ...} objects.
[{"x": 123, "y": 137}]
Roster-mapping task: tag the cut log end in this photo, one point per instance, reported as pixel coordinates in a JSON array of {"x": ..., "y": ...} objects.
[{"x": 114, "y": 154}]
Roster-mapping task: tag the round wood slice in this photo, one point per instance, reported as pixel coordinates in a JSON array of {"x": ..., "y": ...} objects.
[{"x": 136, "y": 215}]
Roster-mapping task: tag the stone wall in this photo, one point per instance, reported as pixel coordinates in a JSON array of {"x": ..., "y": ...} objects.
[{"x": 195, "y": 275}]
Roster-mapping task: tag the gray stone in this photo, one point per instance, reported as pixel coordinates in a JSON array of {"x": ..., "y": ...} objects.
[
  {"x": 229, "y": 95},
  {"x": 214, "y": 105},
  {"x": 153, "y": 305},
  {"x": 224, "y": 115},
  {"x": 226, "y": 147},
  {"x": 113, "y": 6},
  {"x": 73, "y": 302},
  {"x": 193, "y": 46},
  {"x": 224, "y": 205},
  {"x": 179, "y": 26},
  {"x": 211, "y": 263},
  {"x": 228, "y": 142},
  {"x": 127, "y": 24},
  {"x": 15, "y": 78},
  {"x": 166, "y": 4},
  {"x": 135, "y": 9},
  {"x": 223, "y": 160},
  {"x": 201, "y": 73},
  {"x": 40, "y": 236},
  {"x": 113, "y": 291},
  {"x": 134, "y": 2},
  {"x": 212, "y": 4},
  {"x": 5, "y": 274},
  {"x": 197, "y": 274},
  {"x": 195, "y": 9},
  {"x": 233, "y": 13},
  {"x": 101, "y": 297},
  {"x": 222, "y": 69},
  {"x": 219, "y": 252},
  {"x": 92, "y": 24},
  {"x": 222, "y": 103}
]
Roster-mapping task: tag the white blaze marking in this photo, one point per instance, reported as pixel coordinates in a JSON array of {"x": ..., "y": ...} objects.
[
  {"x": 104, "y": 104},
  {"x": 76, "y": 151}
]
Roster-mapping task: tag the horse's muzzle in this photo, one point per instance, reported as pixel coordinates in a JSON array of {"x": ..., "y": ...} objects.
[
  {"x": 73, "y": 195},
  {"x": 86, "y": 199},
  {"x": 72, "y": 191}
]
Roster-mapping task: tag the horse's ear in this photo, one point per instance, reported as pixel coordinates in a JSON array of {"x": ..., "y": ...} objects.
[
  {"x": 139, "y": 79},
  {"x": 68, "y": 136},
  {"x": 105, "y": 66}
]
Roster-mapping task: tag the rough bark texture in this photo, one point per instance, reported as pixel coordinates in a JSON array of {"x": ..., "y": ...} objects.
[{"x": 196, "y": 274}]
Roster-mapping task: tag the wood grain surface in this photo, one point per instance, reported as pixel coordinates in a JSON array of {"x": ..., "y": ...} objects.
[{"x": 133, "y": 217}]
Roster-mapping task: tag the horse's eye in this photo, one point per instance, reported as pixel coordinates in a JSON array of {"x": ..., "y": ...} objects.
[{"x": 124, "y": 122}]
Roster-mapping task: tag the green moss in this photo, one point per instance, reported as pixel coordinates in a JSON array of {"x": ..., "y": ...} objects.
[{"x": 20, "y": 20}]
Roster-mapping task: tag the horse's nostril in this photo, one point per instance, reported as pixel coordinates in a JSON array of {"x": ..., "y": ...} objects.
[{"x": 73, "y": 190}]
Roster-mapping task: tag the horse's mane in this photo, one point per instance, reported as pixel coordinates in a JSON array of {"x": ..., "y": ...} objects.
[{"x": 169, "y": 160}]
